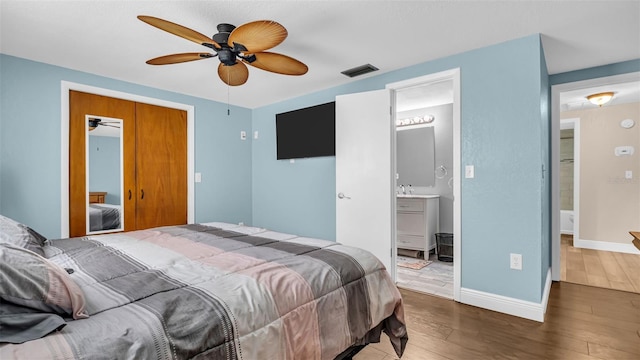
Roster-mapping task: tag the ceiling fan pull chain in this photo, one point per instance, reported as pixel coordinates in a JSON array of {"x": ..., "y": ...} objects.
[{"x": 228, "y": 91}]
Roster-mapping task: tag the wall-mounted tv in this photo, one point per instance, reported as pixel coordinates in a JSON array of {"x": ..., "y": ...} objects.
[{"x": 308, "y": 132}]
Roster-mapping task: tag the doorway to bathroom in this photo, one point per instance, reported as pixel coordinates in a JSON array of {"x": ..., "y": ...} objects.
[{"x": 427, "y": 127}]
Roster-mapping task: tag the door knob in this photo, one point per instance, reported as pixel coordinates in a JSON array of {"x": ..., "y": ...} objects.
[{"x": 343, "y": 196}]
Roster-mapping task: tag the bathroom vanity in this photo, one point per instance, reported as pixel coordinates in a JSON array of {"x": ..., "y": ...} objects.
[{"x": 417, "y": 222}]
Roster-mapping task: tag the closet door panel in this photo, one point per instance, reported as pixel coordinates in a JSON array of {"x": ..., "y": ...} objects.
[
  {"x": 80, "y": 105},
  {"x": 161, "y": 158},
  {"x": 130, "y": 199}
]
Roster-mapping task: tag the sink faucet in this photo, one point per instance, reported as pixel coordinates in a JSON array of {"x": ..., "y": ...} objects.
[
  {"x": 410, "y": 189},
  {"x": 403, "y": 191}
]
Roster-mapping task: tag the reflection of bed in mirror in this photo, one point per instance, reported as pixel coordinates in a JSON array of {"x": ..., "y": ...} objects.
[{"x": 104, "y": 217}]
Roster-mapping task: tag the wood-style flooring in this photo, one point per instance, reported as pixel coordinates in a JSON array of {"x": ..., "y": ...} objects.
[
  {"x": 434, "y": 279},
  {"x": 611, "y": 270},
  {"x": 582, "y": 322}
]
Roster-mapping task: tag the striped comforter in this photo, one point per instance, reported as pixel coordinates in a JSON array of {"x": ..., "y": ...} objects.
[{"x": 219, "y": 291}]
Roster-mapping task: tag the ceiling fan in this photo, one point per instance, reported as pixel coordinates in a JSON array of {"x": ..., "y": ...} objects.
[
  {"x": 235, "y": 47},
  {"x": 95, "y": 122}
]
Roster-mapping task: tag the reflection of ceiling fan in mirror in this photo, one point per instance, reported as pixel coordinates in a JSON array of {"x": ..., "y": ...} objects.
[
  {"x": 235, "y": 47},
  {"x": 95, "y": 122}
]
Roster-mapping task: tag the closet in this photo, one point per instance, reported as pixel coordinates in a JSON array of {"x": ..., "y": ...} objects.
[{"x": 154, "y": 161}]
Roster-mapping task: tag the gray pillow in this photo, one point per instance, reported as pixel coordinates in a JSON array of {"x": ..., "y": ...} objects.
[
  {"x": 30, "y": 280},
  {"x": 15, "y": 233}
]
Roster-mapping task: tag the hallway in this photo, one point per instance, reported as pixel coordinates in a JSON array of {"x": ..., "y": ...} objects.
[{"x": 606, "y": 269}]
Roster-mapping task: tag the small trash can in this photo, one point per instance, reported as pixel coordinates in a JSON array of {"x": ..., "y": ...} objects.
[{"x": 444, "y": 246}]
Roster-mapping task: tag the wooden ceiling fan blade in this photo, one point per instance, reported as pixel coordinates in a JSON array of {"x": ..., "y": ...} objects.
[
  {"x": 233, "y": 75},
  {"x": 178, "y": 58},
  {"x": 258, "y": 36},
  {"x": 180, "y": 30},
  {"x": 278, "y": 63}
]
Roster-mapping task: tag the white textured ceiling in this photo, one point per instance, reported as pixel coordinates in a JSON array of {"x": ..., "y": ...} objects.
[{"x": 105, "y": 38}]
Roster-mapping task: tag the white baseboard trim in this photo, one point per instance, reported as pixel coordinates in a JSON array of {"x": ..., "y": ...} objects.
[
  {"x": 606, "y": 246},
  {"x": 507, "y": 305}
]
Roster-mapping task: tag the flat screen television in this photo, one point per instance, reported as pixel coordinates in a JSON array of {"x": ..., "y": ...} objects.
[{"x": 308, "y": 132}]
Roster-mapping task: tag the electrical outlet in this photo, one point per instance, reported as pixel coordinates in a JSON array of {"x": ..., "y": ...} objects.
[{"x": 516, "y": 261}]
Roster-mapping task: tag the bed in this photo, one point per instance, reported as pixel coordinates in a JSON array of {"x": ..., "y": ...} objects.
[
  {"x": 214, "y": 290},
  {"x": 104, "y": 217}
]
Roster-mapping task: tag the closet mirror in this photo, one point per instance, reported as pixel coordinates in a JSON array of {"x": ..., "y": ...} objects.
[
  {"x": 104, "y": 174},
  {"x": 415, "y": 155}
]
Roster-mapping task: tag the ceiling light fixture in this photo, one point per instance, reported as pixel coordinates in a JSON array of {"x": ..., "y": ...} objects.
[{"x": 600, "y": 98}]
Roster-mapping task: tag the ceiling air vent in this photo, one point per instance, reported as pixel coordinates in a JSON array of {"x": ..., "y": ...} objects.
[{"x": 360, "y": 70}]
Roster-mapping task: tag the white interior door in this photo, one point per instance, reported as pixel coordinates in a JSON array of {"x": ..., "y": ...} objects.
[{"x": 364, "y": 182}]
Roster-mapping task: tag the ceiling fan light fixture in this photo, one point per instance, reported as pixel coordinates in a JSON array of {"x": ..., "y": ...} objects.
[
  {"x": 227, "y": 57},
  {"x": 600, "y": 98}
]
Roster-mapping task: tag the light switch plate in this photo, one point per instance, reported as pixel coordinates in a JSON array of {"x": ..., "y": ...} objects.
[
  {"x": 243, "y": 135},
  {"x": 469, "y": 172},
  {"x": 198, "y": 177}
]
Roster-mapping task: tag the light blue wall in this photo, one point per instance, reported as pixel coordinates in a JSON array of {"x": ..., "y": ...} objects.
[
  {"x": 105, "y": 167},
  {"x": 30, "y": 146},
  {"x": 502, "y": 135},
  {"x": 623, "y": 67},
  {"x": 545, "y": 114}
]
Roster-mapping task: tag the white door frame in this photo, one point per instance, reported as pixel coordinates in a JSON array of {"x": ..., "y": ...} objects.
[
  {"x": 555, "y": 156},
  {"x": 453, "y": 75},
  {"x": 67, "y": 86}
]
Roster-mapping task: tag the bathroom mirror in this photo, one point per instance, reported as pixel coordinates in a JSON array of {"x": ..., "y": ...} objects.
[
  {"x": 104, "y": 174},
  {"x": 415, "y": 155}
]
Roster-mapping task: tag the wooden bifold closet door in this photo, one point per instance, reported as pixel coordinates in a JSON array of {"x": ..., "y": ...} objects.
[
  {"x": 161, "y": 166},
  {"x": 154, "y": 161}
]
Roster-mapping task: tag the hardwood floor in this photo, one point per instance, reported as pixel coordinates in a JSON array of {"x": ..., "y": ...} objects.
[
  {"x": 582, "y": 322},
  {"x": 605, "y": 269}
]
